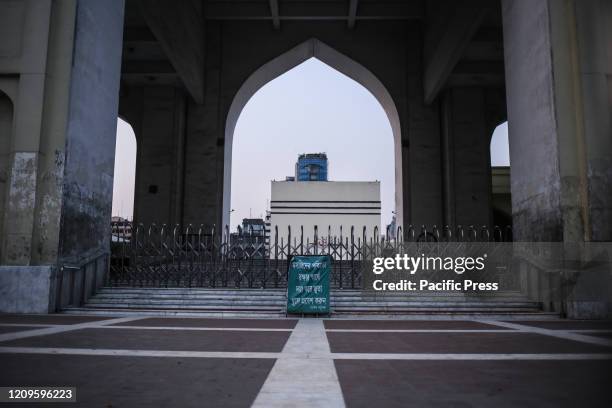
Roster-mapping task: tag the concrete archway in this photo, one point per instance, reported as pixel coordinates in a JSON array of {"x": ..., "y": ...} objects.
[{"x": 285, "y": 62}]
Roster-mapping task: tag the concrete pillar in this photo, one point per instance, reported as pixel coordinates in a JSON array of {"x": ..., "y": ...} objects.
[
  {"x": 558, "y": 81},
  {"x": 91, "y": 130},
  {"x": 205, "y": 143},
  {"x": 471, "y": 162},
  {"x": 592, "y": 20},
  {"x": 62, "y": 61},
  {"x": 6, "y": 130},
  {"x": 468, "y": 117},
  {"x": 157, "y": 115},
  {"x": 447, "y": 147},
  {"x": 33, "y": 36},
  {"x": 180, "y": 129},
  {"x": 422, "y": 170},
  {"x": 203, "y": 183}
]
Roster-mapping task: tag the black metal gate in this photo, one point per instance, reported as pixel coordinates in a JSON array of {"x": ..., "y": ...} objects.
[{"x": 163, "y": 256}]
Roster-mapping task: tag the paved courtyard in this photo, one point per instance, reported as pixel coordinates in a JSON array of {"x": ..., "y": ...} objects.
[{"x": 187, "y": 361}]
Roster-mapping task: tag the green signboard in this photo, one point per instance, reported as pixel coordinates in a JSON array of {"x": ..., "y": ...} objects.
[{"x": 308, "y": 284}]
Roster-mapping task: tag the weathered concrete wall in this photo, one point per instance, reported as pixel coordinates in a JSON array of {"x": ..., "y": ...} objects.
[
  {"x": 6, "y": 130},
  {"x": 35, "y": 57},
  {"x": 535, "y": 170},
  {"x": 27, "y": 289},
  {"x": 92, "y": 126},
  {"x": 19, "y": 219},
  {"x": 557, "y": 69},
  {"x": 23, "y": 52},
  {"x": 594, "y": 57},
  {"x": 56, "y": 103},
  {"x": 59, "y": 63},
  {"x": 203, "y": 194}
]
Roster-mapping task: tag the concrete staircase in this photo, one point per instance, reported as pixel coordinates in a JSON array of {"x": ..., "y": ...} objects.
[{"x": 271, "y": 302}]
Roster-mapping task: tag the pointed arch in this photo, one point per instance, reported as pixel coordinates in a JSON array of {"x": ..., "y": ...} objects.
[{"x": 285, "y": 62}]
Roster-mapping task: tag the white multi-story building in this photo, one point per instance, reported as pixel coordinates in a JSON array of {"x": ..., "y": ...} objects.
[{"x": 325, "y": 204}]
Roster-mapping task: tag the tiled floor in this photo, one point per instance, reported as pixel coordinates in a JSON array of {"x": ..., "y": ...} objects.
[
  {"x": 155, "y": 361},
  {"x": 436, "y": 383}
]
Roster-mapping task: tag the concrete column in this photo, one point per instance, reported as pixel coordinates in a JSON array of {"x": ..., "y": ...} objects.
[
  {"x": 471, "y": 157},
  {"x": 465, "y": 152},
  {"x": 559, "y": 108},
  {"x": 23, "y": 170},
  {"x": 448, "y": 162},
  {"x": 91, "y": 130},
  {"x": 204, "y": 144},
  {"x": 52, "y": 148},
  {"x": 180, "y": 125},
  {"x": 6, "y": 130},
  {"x": 593, "y": 66},
  {"x": 24, "y": 53},
  {"x": 159, "y": 113},
  {"x": 422, "y": 164},
  {"x": 62, "y": 60},
  {"x": 203, "y": 173}
]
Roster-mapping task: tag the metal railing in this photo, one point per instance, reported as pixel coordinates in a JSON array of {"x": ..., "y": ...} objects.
[
  {"x": 175, "y": 256},
  {"x": 77, "y": 282}
]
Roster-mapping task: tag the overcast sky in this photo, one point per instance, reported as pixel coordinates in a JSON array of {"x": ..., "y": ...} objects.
[
  {"x": 312, "y": 108},
  {"x": 125, "y": 171}
]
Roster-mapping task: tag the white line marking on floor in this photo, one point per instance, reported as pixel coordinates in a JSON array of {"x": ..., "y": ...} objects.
[
  {"x": 563, "y": 334},
  {"x": 29, "y": 325},
  {"x": 250, "y": 329},
  {"x": 586, "y": 331},
  {"x": 469, "y": 357},
  {"x": 307, "y": 355},
  {"x": 294, "y": 357},
  {"x": 135, "y": 353},
  {"x": 421, "y": 331},
  {"x": 59, "y": 329}
]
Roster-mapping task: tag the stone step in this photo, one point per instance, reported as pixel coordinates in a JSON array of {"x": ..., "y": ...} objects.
[
  {"x": 181, "y": 312},
  {"x": 282, "y": 297},
  {"x": 333, "y": 302},
  {"x": 191, "y": 291},
  {"x": 347, "y": 306},
  {"x": 342, "y": 314},
  {"x": 202, "y": 297},
  {"x": 281, "y": 292},
  {"x": 360, "y": 310},
  {"x": 352, "y": 301},
  {"x": 433, "y": 310},
  {"x": 175, "y": 306},
  {"x": 194, "y": 288}
]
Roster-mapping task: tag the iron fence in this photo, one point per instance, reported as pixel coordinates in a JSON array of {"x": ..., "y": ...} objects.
[{"x": 175, "y": 256}]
